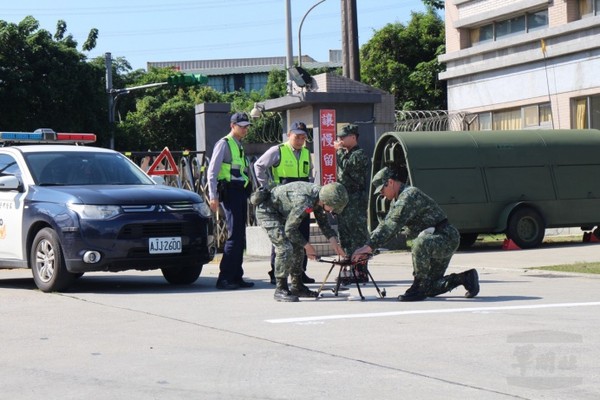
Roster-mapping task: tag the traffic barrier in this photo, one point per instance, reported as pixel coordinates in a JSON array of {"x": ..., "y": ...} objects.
[
  {"x": 590, "y": 237},
  {"x": 510, "y": 245}
]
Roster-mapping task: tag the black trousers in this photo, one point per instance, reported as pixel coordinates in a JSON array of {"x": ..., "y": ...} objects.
[{"x": 236, "y": 210}]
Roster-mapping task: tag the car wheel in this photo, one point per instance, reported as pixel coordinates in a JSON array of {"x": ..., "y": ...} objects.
[
  {"x": 526, "y": 228},
  {"x": 47, "y": 263},
  {"x": 182, "y": 275}
]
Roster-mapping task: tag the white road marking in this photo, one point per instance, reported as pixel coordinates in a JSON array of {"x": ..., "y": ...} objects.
[{"x": 437, "y": 311}]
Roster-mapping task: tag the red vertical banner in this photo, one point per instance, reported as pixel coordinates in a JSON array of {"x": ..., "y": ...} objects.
[{"x": 328, "y": 134}]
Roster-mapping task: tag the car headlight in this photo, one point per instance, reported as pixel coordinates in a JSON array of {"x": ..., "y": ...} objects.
[
  {"x": 95, "y": 212},
  {"x": 203, "y": 209}
]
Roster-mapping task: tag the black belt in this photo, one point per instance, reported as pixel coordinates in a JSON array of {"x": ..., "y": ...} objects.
[
  {"x": 283, "y": 181},
  {"x": 235, "y": 184},
  {"x": 441, "y": 225}
]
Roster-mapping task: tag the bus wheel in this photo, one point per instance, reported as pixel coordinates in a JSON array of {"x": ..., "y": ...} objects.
[{"x": 526, "y": 228}]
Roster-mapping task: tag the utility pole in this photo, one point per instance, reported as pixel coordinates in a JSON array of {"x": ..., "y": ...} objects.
[
  {"x": 111, "y": 99},
  {"x": 350, "y": 50},
  {"x": 289, "y": 58}
]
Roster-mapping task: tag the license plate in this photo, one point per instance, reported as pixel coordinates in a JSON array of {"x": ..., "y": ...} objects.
[{"x": 164, "y": 245}]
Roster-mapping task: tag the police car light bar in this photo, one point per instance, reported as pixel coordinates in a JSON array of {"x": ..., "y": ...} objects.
[
  {"x": 46, "y": 135},
  {"x": 77, "y": 137}
]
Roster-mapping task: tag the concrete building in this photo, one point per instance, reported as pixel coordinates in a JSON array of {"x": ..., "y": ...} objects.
[
  {"x": 523, "y": 64},
  {"x": 248, "y": 74}
]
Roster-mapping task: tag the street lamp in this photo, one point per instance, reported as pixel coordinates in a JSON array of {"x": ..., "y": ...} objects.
[
  {"x": 300, "y": 32},
  {"x": 290, "y": 52}
]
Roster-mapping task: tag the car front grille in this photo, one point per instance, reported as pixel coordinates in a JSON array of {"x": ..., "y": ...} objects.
[
  {"x": 172, "y": 207},
  {"x": 136, "y": 231}
]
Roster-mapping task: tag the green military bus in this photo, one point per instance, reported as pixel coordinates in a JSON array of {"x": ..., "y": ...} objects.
[{"x": 514, "y": 182}]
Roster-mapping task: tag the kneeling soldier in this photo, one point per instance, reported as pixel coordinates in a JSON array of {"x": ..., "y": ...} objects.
[{"x": 434, "y": 239}]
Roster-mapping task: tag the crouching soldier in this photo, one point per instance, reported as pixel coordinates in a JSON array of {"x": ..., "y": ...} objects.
[
  {"x": 434, "y": 239},
  {"x": 281, "y": 212}
]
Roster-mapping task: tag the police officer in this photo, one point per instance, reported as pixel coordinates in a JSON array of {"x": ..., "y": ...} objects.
[
  {"x": 280, "y": 212},
  {"x": 228, "y": 184},
  {"x": 352, "y": 170},
  {"x": 435, "y": 239},
  {"x": 285, "y": 163}
]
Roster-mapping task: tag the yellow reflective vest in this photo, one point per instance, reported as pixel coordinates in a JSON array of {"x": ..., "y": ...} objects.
[
  {"x": 290, "y": 168},
  {"x": 237, "y": 170}
]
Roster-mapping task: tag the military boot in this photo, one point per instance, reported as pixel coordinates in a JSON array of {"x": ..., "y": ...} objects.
[
  {"x": 298, "y": 288},
  {"x": 272, "y": 277},
  {"x": 414, "y": 292},
  {"x": 282, "y": 292},
  {"x": 471, "y": 283},
  {"x": 446, "y": 284},
  {"x": 306, "y": 278}
]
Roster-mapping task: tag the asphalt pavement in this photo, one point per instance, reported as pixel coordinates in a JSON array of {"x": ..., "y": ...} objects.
[{"x": 530, "y": 334}]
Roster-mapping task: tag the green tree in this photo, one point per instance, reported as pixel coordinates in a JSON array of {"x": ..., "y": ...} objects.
[
  {"x": 161, "y": 116},
  {"x": 437, "y": 4},
  {"x": 402, "y": 59},
  {"x": 46, "y": 82}
]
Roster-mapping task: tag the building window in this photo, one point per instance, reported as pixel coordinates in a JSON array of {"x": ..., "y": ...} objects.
[
  {"x": 527, "y": 117},
  {"x": 508, "y": 27},
  {"x": 506, "y": 120},
  {"x": 537, "y": 20},
  {"x": 482, "y": 34},
  {"x": 485, "y": 121},
  {"x": 589, "y": 8},
  {"x": 539, "y": 115},
  {"x": 585, "y": 112}
]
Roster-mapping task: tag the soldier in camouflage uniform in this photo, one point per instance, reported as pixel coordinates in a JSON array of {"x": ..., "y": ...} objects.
[
  {"x": 352, "y": 170},
  {"x": 281, "y": 212},
  {"x": 434, "y": 239}
]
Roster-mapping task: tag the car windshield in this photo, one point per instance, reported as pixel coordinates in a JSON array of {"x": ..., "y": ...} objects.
[{"x": 84, "y": 168}]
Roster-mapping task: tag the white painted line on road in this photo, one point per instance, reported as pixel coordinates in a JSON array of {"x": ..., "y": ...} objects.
[{"x": 437, "y": 311}]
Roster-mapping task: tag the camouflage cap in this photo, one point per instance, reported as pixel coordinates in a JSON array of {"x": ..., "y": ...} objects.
[
  {"x": 398, "y": 173},
  {"x": 335, "y": 196},
  {"x": 349, "y": 129},
  {"x": 385, "y": 173},
  {"x": 380, "y": 178}
]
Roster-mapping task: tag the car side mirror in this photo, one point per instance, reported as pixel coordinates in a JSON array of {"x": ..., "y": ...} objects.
[{"x": 10, "y": 182}]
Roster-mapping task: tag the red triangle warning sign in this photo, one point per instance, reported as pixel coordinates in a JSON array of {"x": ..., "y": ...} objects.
[{"x": 164, "y": 164}]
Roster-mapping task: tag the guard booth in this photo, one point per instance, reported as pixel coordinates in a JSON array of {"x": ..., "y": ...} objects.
[
  {"x": 515, "y": 182},
  {"x": 325, "y": 103}
]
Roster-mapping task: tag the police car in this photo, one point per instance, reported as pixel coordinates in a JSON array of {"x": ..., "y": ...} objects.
[{"x": 67, "y": 209}]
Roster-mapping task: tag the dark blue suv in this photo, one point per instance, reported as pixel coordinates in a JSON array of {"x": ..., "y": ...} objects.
[{"x": 66, "y": 210}]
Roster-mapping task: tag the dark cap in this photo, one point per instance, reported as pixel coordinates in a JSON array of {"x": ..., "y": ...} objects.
[
  {"x": 349, "y": 129},
  {"x": 240, "y": 119},
  {"x": 385, "y": 173},
  {"x": 298, "y": 127}
]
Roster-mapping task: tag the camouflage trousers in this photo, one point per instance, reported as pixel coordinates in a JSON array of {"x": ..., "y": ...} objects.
[
  {"x": 289, "y": 256},
  {"x": 431, "y": 254},
  {"x": 352, "y": 223}
]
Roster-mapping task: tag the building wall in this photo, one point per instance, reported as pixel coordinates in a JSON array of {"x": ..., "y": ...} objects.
[{"x": 514, "y": 71}]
